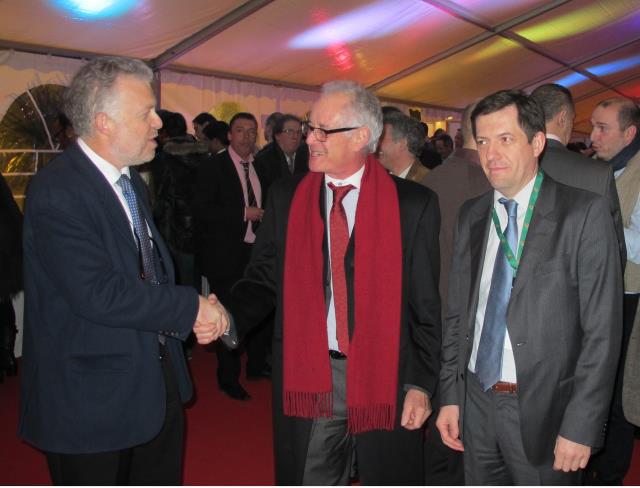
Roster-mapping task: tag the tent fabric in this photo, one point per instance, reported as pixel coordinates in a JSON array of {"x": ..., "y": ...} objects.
[{"x": 433, "y": 56}]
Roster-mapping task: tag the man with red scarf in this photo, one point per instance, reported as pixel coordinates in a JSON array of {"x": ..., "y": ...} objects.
[{"x": 357, "y": 331}]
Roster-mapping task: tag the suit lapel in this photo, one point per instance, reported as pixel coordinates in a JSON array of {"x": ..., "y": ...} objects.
[
  {"x": 108, "y": 199},
  {"x": 479, "y": 224},
  {"x": 542, "y": 226}
]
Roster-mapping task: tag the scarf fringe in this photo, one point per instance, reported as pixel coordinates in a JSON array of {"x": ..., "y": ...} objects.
[
  {"x": 308, "y": 404},
  {"x": 371, "y": 417}
]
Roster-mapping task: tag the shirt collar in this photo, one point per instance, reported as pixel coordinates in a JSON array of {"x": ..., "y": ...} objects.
[
  {"x": 522, "y": 197},
  {"x": 548, "y": 135},
  {"x": 355, "y": 179},
  {"x": 109, "y": 171},
  {"x": 236, "y": 158}
]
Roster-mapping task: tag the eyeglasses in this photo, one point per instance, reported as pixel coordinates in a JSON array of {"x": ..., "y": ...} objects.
[
  {"x": 292, "y": 132},
  {"x": 321, "y": 134}
]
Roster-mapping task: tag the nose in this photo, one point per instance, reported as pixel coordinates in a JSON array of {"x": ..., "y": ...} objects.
[
  {"x": 156, "y": 121},
  {"x": 491, "y": 153},
  {"x": 593, "y": 136}
]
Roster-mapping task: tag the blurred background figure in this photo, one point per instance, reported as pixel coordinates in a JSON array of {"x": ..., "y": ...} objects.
[
  {"x": 10, "y": 276},
  {"x": 217, "y": 135},
  {"x": 200, "y": 122}
]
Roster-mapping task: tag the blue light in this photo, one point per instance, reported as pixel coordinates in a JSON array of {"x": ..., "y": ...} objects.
[
  {"x": 94, "y": 9},
  {"x": 600, "y": 70},
  {"x": 379, "y": 19},
  {"x": 570, "y": 80},
  {"x": 615, "y": 66}
]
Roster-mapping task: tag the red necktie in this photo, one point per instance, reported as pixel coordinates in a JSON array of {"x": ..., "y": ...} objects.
[{"x": 339, "y": 235}]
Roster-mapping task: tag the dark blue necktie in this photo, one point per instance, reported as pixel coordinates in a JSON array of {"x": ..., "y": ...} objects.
[
  {"x": 490, "y": 349},
  {"x": 140, "y": 228},
  {"x": 142, "y": 235}
]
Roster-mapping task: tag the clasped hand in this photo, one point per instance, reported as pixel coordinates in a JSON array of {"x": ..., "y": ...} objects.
[{"x": 212, "y": 320}]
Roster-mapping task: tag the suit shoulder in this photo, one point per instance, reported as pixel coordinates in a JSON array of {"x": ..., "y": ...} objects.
[
  {"x": 408, "y": 189},
  {"x": 284, "y": 188}
]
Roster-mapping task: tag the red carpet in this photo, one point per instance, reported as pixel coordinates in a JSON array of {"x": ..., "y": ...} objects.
[{"x": 228, "y": 442}]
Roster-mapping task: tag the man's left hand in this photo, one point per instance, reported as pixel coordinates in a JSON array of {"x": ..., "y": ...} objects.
[
  {"x": 416, "y": 409},
  {"x": 570, "y": 456}
]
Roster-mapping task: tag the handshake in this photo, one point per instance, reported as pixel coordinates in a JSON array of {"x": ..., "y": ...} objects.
[{"x": 212, "y": 320}]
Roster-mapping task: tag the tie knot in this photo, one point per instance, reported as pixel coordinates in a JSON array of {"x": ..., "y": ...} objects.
[
  {"x": 511, "y": 206},
  {"x": 245, "y": 164},
  {"x": 339, "y": 192},
  {"x": 125, "y": 183}
]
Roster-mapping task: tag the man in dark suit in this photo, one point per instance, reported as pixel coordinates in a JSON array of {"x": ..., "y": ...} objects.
[
  {"x": 228, "y": 209},
  {"x": 532, "y": 332},
  {"x": 104, "y": 375},
  {"x": 455, "y": 181},
  {"x": 284, "y": 156},
  {"x": 400, "y": 146},
  {"x": 357, "y": 332},
  {"x": 571, "y": 168}
]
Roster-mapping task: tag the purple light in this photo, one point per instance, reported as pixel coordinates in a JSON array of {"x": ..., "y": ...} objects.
[{"x": 379, "y": 19}]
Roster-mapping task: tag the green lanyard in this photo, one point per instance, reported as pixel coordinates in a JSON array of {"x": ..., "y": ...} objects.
[{"x": 527, "y": 219}]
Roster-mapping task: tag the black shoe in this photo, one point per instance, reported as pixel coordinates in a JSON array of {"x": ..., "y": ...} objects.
[
  {"x": 260, "y": 374},
  {"x": 234, "y": 391}
]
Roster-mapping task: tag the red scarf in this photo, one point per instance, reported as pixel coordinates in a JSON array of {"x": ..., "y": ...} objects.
[{"x": 372, "y": 372}]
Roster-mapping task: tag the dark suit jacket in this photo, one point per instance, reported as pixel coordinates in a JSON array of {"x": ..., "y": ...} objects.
[
  {"x": 91, "y": 378},
  {"x": 576, "y": 170},
  {"x": 458, "y": 179},
  {"x": 261, "y": 289},
  {"x": 220, "y": 226},
  {"x": 271, "y": 164},
  {"x": 563, "y": 318}
]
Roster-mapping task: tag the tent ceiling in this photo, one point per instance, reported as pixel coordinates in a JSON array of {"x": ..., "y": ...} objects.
[{"x": 426, "y": 52}]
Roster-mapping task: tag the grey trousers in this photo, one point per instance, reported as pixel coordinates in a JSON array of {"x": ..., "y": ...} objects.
[
  {"x": 330, "y": 453},
  {"x": 494, "y": 452}
]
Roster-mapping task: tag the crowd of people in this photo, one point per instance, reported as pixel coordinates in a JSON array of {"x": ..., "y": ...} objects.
[{"x": 430, "y": 310}]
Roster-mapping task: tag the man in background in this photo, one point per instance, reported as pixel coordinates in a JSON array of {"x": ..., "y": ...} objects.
[
  {"x": 616, "y": 140},
  {"x": 400, "y": 147}
]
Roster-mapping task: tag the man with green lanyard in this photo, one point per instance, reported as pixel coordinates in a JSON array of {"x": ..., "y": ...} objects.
[{"x": 532, "y": 330}]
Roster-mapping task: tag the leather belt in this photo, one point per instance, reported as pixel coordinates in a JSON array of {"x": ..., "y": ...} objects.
[
  {"x": 504, "y": 387},
  {"x": 336, "y": 355}
]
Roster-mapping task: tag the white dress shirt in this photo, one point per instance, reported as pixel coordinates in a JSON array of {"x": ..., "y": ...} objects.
[
  {"x": 350, "y": 203},
  {"x": 508, "y": 362},
  {"x": 112, "y": 175}
]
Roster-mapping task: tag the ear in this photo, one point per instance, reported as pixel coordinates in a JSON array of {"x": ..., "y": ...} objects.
[
  {"x": 629, "y": 134},
  {"x": 360, "y": 138},
  {"x": 562, "y": 118},
  {"x": 103, "y": 124},
  {"x": 538, "y": 143}
]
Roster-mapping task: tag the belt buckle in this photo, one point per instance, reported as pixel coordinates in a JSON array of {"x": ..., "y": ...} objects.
[
  {"x": 504, "y": 387},
  {"x": 336, "y": 355}
]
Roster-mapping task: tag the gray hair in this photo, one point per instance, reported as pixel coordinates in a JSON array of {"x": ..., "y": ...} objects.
[
  {"x": 91, "y": 89},
  {"x": 405, "y": 127},
  {"x": 364, "y": 109}
]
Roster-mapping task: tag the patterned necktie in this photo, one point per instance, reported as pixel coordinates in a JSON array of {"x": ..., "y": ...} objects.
[
  {"x": 251, "y": 196},
  {"x": 490, "y": 349},
  {"x": 140, "y": 228},
  {"x": 339, "y": 235}
]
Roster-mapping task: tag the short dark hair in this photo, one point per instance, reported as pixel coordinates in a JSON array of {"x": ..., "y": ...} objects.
[
  {"x": 204, "y": 118},
  {"x": 628, "y": 113},
  {"x": 553, "y": 98},
  {"x": 388, "y": 109},
  {"x": 446, "y": 140},
  {"x": 242, "y": 115},
  {"x": 218, "y": 130},
  {"x": 175, "y": 125},
  {"x": 530, "y": 114},
  {"x": 404, "y": 127},
  {"x": 272, "y": 118},
  {"x": 278, "y": 127}
]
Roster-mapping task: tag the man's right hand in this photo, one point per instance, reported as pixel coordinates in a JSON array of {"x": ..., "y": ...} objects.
[
  {"x": 254, "y": 213},
  {"x": 449, "y": 426},
  {"x": 212, "y": 320}
]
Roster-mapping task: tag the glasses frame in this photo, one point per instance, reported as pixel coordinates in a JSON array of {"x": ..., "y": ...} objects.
[{"x": 321, "y": 134}]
